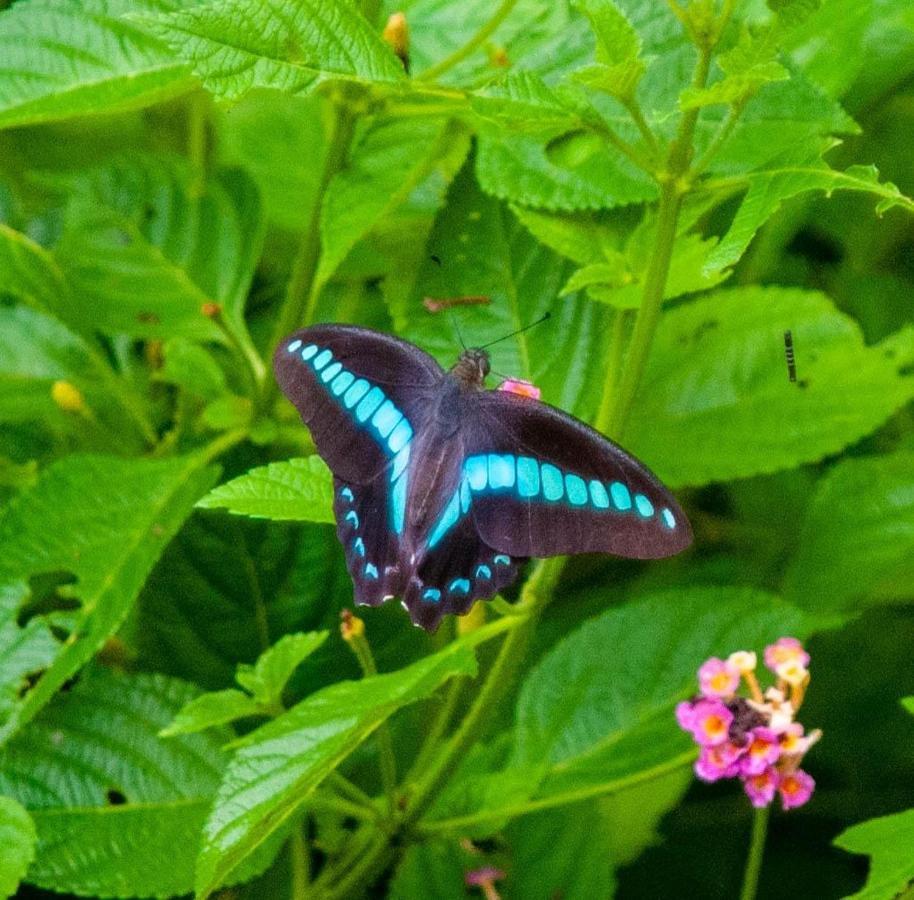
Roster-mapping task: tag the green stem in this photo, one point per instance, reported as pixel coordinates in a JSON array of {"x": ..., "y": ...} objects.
[
  {"x": 300, "y": 863},
  {"x": 216, "y": 447},
  {"x": 634, "y": 110},
  {"x": 344, "y": 807},
  {"x": 437, "y": 731},
  {"x": 720, "y": 137},
  {"x": 756, "y": 852},
  {"x": 631, "y": 153},
  {"x": 614, "y": 367},
  {"x": 343, "y": 786},
  {"x": 476, "y": 41},
  {"x": 196, "y": 140},
  {"x": 462, "y": 824}
]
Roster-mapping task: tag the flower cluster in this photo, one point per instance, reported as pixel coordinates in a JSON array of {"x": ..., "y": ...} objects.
[{"x": 754, "y": 738}]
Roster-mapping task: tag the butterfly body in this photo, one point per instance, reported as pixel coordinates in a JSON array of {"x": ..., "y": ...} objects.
[{"x": 444, "y": 487}]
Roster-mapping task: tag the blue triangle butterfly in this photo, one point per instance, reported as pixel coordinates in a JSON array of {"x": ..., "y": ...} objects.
[{"x": 442, "y": 488}]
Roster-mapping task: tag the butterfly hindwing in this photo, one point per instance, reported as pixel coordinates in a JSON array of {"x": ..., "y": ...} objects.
[{"x": 543, "y": 483}]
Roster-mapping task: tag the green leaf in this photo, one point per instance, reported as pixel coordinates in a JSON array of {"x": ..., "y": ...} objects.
[
  {"x": 717, "y": 378},
  {"x": 81, "y": 543},
  {"x": 582, "y": 237},
  {"x": 484, "y": 251},
  {"x": 278, "y": 765},
  {"x": 191, "y": 367},
  {"x": 789, "y": 175},
  {"x": 267, "y": 678},
  {"x": 619, "y": 65},
  {"x": 857, "y": 542},
  {"x": 269, "y": 45},
  {"x": 390, "y": 162},
  {"x": 64, "y": 59},
  {"x": 887, "y": 841},
  {"x": 17, "y": 845},
  {"x": 523, "y": 101},
  {"x": 209, "y": 710},
  {"x": 117, "y": 810},
  {"x": 144, "y": 271},
  {"x": 299, "y": 490}
]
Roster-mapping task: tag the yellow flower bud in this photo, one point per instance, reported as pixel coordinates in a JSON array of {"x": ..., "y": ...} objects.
[{"x": 68, "y": 397}]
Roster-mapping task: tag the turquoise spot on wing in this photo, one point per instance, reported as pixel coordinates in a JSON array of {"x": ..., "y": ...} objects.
[
  {"x": 355, "y": 393},
  {"x": 432, "y": 595},
  {"x": 371, "y": 571},
  {"x": 501, "y": 560},
  {"x": 553, "y": 483},
  {"x": 321, "y": 359},
  {"x": 447, "y": 520},
  {"x": 294, "y": 346},
  {"x": 466, "y": 495},
  {"x": 330, "y": 372},
  {"x": 400, "y": 436},
  {"x": 598, "y": 495},
  {"x": 528, "y": 476},
  {"x": 359, "y": 546},
  {"x": 398, "y": 505},
  {"x": 483, "y": 572},
  {"x": 621, "y": 497},
  {"x": 577, "y": 490},
  {"x": 501, "y": 471},
  {"x": 401, "y": 461},
  {"x": 353, "y": 518},
  {"x": 477, "y": 472},
  {"x": 372, "y": 400},
  {"x": 346, "y": 494},
  {"x": 668, "y": 518},
  {"x": 385, "y": 418},
  {"x": 644, "y": 506},
  {"x": 341, "y": 382},
  {"x": 308, "y": 352},
  {"x": 460, "y": 586}
]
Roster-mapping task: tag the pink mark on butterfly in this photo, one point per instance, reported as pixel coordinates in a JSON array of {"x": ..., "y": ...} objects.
[{"x": 517, "y": 386}]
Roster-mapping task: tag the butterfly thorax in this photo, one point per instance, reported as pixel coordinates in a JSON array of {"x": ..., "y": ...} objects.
[{"x": 471, "y": 369}]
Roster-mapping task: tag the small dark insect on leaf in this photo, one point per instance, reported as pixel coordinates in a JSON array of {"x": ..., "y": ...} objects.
[
  {"x": 114, "y": 797},
  {"x": 788, "y": 351},
  {"x": 435, "y": 259},
  {"x": 435, "y": 304},
  {"x": 148, "y": 318}
]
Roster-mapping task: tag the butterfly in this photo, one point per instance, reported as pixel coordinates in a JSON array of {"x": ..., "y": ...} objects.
[{"x": 442, "y": 488}]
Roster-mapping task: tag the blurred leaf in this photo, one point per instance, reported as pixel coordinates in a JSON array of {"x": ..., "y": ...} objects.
[
  {"x": 582, "y": 237},
  {"x": 277, "y": 766},
  {"x": 64, "y": 58},
  {"x": 117, "y": 810},
  {"x": 484, "y": 251},
  {"x": 887, "y": 841},
  {"x": 858, "y": 539},
  {"x": 233, "y": 48},
  {"x": 209, "y": 710},
  {"x": 92, "y": 526},
  {"x": 523, "y": 101},
  {"x": 191, "y": 367},
  {"x": 619, "y": 65},
  {"x": 299, "y": 490},
  {"x": 30, "y": 273},
  {"x": 388, "y": 164},
  {"x": 267, "y": 678},
  {"x": 717, "y": 378},
  {"x": 146, "y": 247},
  {"x": 432, "y": 869},
  {"x": 17, "y": 845}
]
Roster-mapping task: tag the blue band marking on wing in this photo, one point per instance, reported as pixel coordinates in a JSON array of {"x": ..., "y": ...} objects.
[
  {"x": 371, "y": 571},
  {"x": 459, "y": 586},
  {"x": 668, "y": 518},
  {"x": 432, "y": 595},
  {"x": 644, "y": 506},
  {"x": 466, "y": 495},
  {"x": 501, "y": 470},
  {"x": 347, "y": 494},
  {"x": 370, "y": 406},
  {"x": 501, "y": 560},
  {"x": 483, "y": 571},
  {"x": 359, "y": 546},
  {"x": 621, "y": 496},
  {"x": 446, "y": 521},
  {"x": 353, "y": 518},
  {"x": 576, "y": 490},
  {"x": 528, "y": 476},
  {"x": 553, "y": 483},
  {"x": 477, "y": 472},
  {"x": 598, "y": 495}
]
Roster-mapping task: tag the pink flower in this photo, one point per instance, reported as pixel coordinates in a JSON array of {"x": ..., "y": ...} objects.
[
  {"x": 524, "y": 388},
  {"x": 685, "y": 715},
  {"x": 792, "y": 740},
  {"x": 762, "y": 751},
  {"x": 718, "y": 762},
  {"x": 718, "y": 678},
  {"x": 760, "y": 788},
  {"x": 786, "y": 652},
  {"x": 796, "y": 788},
  {"x": 710, "y": 723}
]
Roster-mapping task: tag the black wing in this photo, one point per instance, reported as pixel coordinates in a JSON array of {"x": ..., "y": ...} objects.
[{"x": 543, "y": 483}]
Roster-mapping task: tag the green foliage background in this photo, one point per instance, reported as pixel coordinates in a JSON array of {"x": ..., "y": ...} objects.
[{"x": 183, "y": 183}]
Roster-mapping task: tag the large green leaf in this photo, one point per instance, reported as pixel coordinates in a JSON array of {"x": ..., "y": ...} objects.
[
  {"x": 235, "y": 48},
  {"x": 391, "y": 161},
  {"x": 271, "y": 775},
  {"x": 118, "y": 811},
  {"x": 299, "y": 490},
  {"x": 887, "y": 841},
  {"x": 146, "y": 247},
  {"x": 74, "y": 553},
  {"x": 17, "y": 845},
  {"x": 484, "y": 251},
  {"x": 30, "y": 273},
  {"x": 716, "y": 402},
  {"x": 858, "y": 538},
  {"x": 65, "y": 58}
]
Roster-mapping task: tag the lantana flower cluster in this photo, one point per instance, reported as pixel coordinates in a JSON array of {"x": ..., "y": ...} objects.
[{"x": 747, "y": 734}]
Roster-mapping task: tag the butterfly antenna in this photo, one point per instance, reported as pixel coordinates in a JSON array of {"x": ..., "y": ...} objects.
[
  {"x": 454, "y": 322},
  {"x": 504, "y": 337}
]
